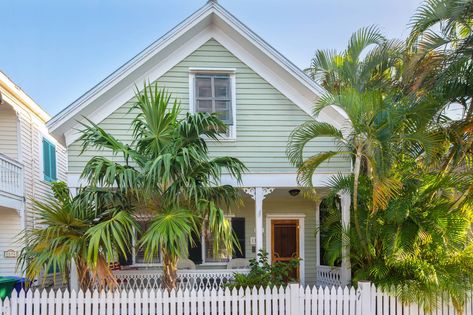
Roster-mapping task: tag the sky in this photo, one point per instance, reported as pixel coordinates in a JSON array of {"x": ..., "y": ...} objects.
[{"x": 56, "y": 50}]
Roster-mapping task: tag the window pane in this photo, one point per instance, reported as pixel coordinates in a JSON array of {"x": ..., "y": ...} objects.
[
  {"x": 223, "y": 110},
  {"x": 221, "y": 256},
  {"x": 222, "y": 87},
  {"x": 204, "y": 106},
  {"x": 203, "y": 87}
]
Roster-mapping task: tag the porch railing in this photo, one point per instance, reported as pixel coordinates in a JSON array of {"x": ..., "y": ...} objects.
[
  {"x": 11, "y": 176},
  {"x": 186, "y": 279},
  {"x": 329, "y": 276}
]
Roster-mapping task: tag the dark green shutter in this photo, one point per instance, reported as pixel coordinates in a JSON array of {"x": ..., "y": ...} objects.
[{"x": 238, "y": 227}]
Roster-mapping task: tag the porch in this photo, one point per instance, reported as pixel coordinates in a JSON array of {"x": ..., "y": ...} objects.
[{"x": 279, "y": 221}]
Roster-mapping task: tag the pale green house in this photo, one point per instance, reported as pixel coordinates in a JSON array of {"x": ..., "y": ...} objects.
[{"x": 212, "y": 62}]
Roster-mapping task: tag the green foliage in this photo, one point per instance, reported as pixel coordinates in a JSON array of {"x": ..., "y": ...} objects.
[
  {"x": 264, "y": 274},
  {"x": 421, "y": 244},
  {"x": 90, "y": 229},
  {"x": 411, "y": 185},
  {"x": 166, "y": 173}
]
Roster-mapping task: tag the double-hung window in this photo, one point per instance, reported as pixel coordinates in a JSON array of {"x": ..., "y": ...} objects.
[
  {"x": 49, "y": 161},
  {"x": 214, "y": 93}
]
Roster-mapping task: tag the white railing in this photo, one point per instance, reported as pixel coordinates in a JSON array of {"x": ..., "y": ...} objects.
[
  {"x": 329, "y": 276},
  {"x": 292, "y": 300},
  {"x": 186, "y": 279},
  {"x": 11, "y": 176}
]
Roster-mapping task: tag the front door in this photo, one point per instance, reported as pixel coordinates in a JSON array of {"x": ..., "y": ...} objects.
[{"x": 285, "y": 241}]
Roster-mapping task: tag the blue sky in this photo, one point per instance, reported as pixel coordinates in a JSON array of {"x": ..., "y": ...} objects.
[{"x": 56, "y": 50}]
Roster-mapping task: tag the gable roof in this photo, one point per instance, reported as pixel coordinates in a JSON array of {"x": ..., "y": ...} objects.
[
  {"x": 210, "y": 21},
  {"x": 18, "y": 96}
]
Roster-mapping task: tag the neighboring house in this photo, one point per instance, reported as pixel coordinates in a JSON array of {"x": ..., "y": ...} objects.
[
  {"x": 212, "y": 62},
  {"x": 29, "y": 160}
]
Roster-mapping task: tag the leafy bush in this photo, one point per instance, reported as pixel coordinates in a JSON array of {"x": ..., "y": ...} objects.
[{"x": 264, "y": 274}]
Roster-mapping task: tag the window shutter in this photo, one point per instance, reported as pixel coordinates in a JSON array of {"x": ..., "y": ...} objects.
[
  {"x": 53, "y": 161},
  {"x": 46, "y": 161},
  {"x": 195, "y": 253},
  {"x": 238, "y": 227}
]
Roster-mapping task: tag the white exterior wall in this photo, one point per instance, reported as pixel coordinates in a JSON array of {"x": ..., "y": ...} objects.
[
  {"x": 23, "y": 144},
  {"x": 9, "y": 229}
]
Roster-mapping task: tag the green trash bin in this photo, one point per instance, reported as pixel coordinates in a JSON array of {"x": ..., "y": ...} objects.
[{"x": 6, "y": 286}]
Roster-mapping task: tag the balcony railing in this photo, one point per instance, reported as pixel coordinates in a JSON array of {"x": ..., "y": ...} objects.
[
  {"x": 186, "y": 279},
  {"x": 11, "y": 176},
  {"x": 329, "y": 276}
]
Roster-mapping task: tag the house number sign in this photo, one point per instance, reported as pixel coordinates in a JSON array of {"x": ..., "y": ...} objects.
[{"x": 11, "y": 253}]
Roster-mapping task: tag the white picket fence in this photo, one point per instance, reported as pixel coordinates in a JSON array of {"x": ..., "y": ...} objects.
[{"x": 294, "y": 300}]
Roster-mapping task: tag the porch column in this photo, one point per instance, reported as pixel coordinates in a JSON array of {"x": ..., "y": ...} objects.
[
  {"x": 317, "y": 233},
  {"x": 73, "y": 275},
  {"x": 258, "y": 194},
  {"x": 345, "y": 201}
]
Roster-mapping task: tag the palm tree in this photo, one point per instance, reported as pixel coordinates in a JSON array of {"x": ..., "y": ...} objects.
[
  {"x": 366, "y": 63},
  {"x": 378, "y": 121},
  {"x": 86, "y": 229},
  {"x": 443, "y": 30},
  {"x": 168, "y": 171}
]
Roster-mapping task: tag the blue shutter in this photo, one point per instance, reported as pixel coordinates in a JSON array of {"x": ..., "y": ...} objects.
[
  {"x": 49, "y": 161},
  {"x": 46, "y": 161},
  {"x": 53, "y": 161}
]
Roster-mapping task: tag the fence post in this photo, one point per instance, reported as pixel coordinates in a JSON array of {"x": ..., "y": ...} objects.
[
  {"x": 294, "y": 298},
  {"x": 365, "y": 297}
]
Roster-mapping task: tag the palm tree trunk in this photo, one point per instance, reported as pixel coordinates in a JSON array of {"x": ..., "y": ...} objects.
[
  {"x": 83, "y": 274},
  {"x": 356, "y": 216},
  {"x": 169, "y": 272}
]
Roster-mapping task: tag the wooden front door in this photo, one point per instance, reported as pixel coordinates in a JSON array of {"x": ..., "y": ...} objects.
[{"x": 285, "y": 241}]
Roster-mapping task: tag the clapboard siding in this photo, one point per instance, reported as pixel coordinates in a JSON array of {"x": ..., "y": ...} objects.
[
  {"x": 29, "y": 132},
  {"x": 265, "y": 117},
  {"x": 8, "y": 130},
  {"x": 9, "y": 230}
]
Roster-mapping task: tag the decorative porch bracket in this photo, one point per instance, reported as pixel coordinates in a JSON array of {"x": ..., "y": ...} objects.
[{"x": 258, "y": 194}]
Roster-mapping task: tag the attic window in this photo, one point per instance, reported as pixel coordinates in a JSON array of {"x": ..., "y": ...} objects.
[{"x": 214, "y": 92}]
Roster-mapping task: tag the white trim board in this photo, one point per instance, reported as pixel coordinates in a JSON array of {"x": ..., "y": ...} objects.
[
  {"x": 248, "y": 180},
  {"x": 211, "y": 21},
  {"x": 293, "y": 216}
]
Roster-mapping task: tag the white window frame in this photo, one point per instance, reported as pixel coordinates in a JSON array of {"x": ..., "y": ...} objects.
[
  {"x": 204, "y": 248},
  {"x": 231, "y": 72}
]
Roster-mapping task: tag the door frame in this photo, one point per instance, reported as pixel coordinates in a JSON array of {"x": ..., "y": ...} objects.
[{"x": 268, "y": 231}]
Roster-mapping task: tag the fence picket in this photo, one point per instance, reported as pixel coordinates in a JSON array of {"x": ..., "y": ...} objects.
[
  {"x": 186, "y": 302},
  {"x": 227, "y": 299},
  {"x": 21, "y": 301},
  {"x": 234, "y": 298},
  {"x": 51, "y": 305},
  {"x": 66, "y": 303},
  {"x": 152, "y": 302},
  {"x": 109, "y": 303}
]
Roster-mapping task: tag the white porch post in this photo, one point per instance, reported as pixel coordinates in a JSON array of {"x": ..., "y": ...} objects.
[
  {"x": 258, "y": 194},
  {"x": 345, "y": 200},
  {"x": 317, "y": 233},
  {"x": 73, "y": 275}
]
